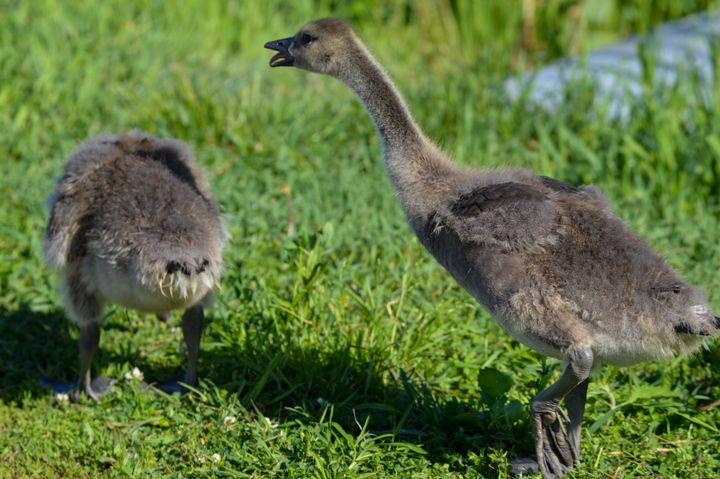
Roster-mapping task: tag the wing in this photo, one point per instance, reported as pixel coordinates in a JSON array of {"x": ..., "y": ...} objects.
[
  {"x": 591, "y": 191},
  {"x": 511, "y": 216},
  {"x": 58, "y": 231},
  {"x": 488, "y": 198},
  {"x": 558, "y": 185}
]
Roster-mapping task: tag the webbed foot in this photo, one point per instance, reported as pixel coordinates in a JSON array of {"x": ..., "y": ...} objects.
[
  {"x": 555, "y": 452},
  {"x": 524, "y": 466},
  {"x": 95, "y": 389},
  {"x": 174, "y": 385}
]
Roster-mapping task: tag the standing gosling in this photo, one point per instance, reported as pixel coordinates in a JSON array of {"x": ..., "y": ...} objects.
[
  {"x": 132, "y": 222},
  {"x": 551, "y": 262}
]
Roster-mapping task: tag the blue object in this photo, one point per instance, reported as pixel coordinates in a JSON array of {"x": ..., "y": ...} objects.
[{"x": 678, "y": 47}]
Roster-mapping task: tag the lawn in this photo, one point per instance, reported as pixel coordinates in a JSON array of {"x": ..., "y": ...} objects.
[{"x": 342, "y": 350}]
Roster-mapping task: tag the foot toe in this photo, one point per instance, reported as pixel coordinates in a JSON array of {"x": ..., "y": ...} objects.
[
  {"x": 97, "y": 388},
  {"x": 561, "y": 444},
  {"x": 173, "y": 385},
  {"x": 522, "y": 466},
  {"x": 101, "y": 384},
  {"x": 556, "y": 454}
]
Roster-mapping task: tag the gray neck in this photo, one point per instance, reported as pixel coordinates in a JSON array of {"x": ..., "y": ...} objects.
[
  {"x": 420, "y": 172},
  {"x": 399, "y": 133}
]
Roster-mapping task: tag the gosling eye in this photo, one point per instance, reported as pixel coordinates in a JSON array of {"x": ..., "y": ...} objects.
[{"x": 306, "y": 39}]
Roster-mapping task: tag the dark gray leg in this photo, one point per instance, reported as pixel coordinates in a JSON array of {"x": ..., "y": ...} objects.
[
  {"x": 193, "y": 323},
  {"x": 575, "y": 404},
  {"x": 85, "y": 308},
  {"x": 556, "y": 453},
  {"x": 89, "y": 340}
]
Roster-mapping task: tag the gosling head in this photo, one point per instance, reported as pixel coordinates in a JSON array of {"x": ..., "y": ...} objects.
[{"x": 319, "y": 47}]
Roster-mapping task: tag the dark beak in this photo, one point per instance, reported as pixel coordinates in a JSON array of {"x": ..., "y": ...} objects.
[{"x": 282, "y": 58}]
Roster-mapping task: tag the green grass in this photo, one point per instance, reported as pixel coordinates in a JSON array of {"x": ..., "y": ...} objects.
[{"x": 343, "y": 351}]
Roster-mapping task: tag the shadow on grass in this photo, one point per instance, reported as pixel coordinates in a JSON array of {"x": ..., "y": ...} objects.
[
  {"x": 34, "y": 345},
  {"x": 282, "y": 379},
  {"x": 40, "y": 348},
  {"x": 286, "y": 381}
]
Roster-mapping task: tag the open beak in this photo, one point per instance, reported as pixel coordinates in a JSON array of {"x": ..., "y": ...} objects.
[{"x": 283, "y": 57}]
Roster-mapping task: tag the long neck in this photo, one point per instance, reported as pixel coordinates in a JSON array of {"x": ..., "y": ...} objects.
[
  {"x": 402, "y": 139},
  {"x": 421, "y": 174},
  {"x": 399, "y": 133}
]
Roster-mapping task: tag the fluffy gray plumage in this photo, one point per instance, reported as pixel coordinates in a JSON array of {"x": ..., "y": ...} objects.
[
  {"x": 133, "y": 222},
  {"x": 552, "y": 263}
]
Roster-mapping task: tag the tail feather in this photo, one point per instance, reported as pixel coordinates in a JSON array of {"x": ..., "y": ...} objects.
[
  {"x": 684, "y": 328},
  {"x": 188, "y": 267},
  {"x": 697, "y": 330}
]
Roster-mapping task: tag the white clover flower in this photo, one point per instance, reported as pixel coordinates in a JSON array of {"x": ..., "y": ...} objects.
[
  {"x": 272, "y": 425},
  {"x": 62, "y": 397},
  {"x": 215, "y": 457},
  {"x": 134, "y": 374},
  {"x": 229, "y": 421},
  {"x": 201, "y": 459}
]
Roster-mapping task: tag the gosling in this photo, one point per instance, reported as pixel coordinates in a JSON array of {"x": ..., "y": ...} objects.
[
  {"x": 133, "y": 223},
  {"x": 550, "y": 261}
]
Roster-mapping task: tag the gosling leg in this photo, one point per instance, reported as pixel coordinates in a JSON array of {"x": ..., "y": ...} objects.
[
  {"x": 575, "y": 404},
  {"x": 556, "y": 449},
  {"x": 193, "y": 323},
  {"x": 89, "y": 341}
]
